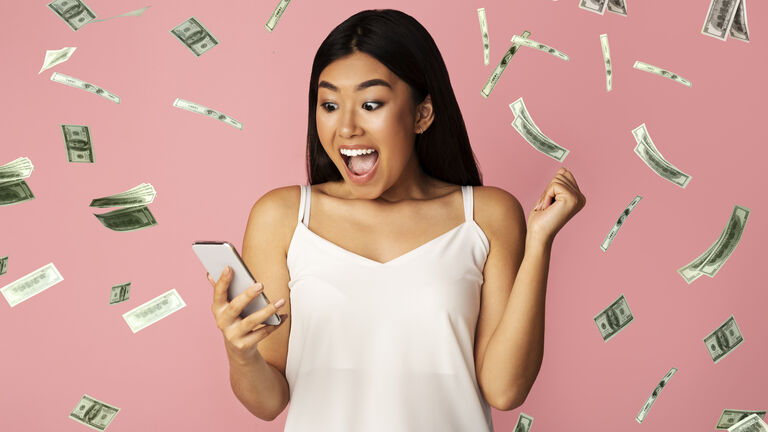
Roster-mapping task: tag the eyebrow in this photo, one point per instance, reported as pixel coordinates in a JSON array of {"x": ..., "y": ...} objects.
[{"x": 361, "y": 86}]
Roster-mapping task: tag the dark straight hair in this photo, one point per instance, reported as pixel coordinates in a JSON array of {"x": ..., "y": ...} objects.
[{"x": 404, "y": 46}]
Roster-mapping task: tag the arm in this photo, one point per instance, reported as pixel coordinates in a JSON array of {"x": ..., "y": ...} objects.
[
  {"x": 516, "y": 349},
  {"x": 259, "y": 386}
]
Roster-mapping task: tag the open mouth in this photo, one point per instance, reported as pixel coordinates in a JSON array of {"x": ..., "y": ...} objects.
[{"x": 362, "y": 164}]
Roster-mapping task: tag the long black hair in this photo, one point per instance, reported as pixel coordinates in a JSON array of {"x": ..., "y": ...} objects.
[{"x": 404, "y": 46}]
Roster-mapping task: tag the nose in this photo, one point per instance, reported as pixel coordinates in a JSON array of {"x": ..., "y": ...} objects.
[{"x": 348, "y": 123}]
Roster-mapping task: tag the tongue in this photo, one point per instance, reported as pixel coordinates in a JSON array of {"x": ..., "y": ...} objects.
[{"x": 362, "y": 164}]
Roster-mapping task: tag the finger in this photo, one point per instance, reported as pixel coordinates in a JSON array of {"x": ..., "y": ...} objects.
[
  {"x": 236, "y": 306},
  {"x": 220, "y": 290},
  {"x": 257, "y": 335},
  {"x": 210, "y": 279},
  {"x": 567, "y": 181},
  {"x": 556, "y": 187},
  {"x": 261, "y": 315},
  {"x": 572, "y": 178}
]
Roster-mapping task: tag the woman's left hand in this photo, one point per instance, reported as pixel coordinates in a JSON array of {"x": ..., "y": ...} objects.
[{"x": 548, "y": 216}]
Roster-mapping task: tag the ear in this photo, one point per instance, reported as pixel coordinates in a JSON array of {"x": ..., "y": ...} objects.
[{"x": 425, "y": 114}]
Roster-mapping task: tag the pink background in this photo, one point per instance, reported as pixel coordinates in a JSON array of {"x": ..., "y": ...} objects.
[{"x": 173, "y": 376}]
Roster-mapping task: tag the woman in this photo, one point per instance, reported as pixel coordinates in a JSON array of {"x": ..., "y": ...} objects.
[{"x": 411, "y": 311}]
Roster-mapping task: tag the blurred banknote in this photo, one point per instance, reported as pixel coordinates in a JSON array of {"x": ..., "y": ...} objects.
[
  {"x": 752, "y": 423},
  {"x": 494, "y": 78},
  {"x": 78, "y": 83},
  {"x": 617, "y": 6},
  {"x": 612, "y": 233},
  {"x": 3, "y": 265},
  {"x": 195, "y": 36},
  {"x": 661, "y": 72},
  {"x": 18, "y": 168},
  {"x": 726, "y": 17},
  {"x": 14, "y": 192},
  {"x": 77, "y": 140},
  {"x": 136, "y": 13},
  {"x": 54, "y": 57},
  {"x": 74, "y": 12},
  {"x": 31, "y": 284},
  {"x": 484, "y": 32},
  {"x": 197, "y": 108},
  {"x": 127, "y": 219},
  {"x": 597, "y": 6},
  {"x": 613, "y": 319},
  {"x": 523, "y": 424},
  {"x": 120, "y": 293},
  {"x": 607, "y": 61},
  {"x": 655, "y": 394},
  {"x": 153, "y": 310},
  {"x": 652, "y": 157},
  {"x": 142, "y": 194},
  {"x": 709, "y": 262},
  {"x": 525, "y": 126},
  {"x": 276, "y": 14},
  {"x": 730, "y": 417},
  {"x": 723, "y": 340},
  {"x": 93, "y": 413},
  {"x": 539, "y": 46}
]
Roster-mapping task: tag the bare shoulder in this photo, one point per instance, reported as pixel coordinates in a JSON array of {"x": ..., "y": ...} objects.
[
  {"x": 499, "y": 213},
  {"x": 278, "y": 209}
]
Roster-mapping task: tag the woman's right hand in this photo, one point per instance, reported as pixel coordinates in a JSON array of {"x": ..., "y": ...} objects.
[{"x": 241, "y": 335}]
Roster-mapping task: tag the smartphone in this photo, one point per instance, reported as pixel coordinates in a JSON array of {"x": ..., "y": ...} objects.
[{"x": 215, "y": 256}]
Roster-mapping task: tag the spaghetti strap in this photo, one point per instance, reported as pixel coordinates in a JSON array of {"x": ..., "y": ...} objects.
[
  {"x": 304, "y": 205},
  {"x": 468, "y": 196}
]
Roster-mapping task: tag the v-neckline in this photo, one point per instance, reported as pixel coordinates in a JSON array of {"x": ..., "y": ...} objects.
[{"x": 378, "y": 263}]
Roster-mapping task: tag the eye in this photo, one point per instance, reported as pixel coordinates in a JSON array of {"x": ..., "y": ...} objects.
[
  {"x": 371, "y": 102},
  {"x": 325, "y": 106}
]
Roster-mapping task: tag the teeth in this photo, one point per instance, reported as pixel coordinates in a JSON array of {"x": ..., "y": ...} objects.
[{"x": 346, "y": 152}]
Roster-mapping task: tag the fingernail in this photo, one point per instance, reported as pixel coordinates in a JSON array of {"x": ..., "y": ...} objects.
[
  {"x": 255, "y": 289},
  {"x": 226, "y": 271},
  {"x": 279, "y": 303}
]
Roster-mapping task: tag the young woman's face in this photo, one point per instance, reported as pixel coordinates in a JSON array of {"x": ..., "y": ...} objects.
[{"x": 360, "y": 101}]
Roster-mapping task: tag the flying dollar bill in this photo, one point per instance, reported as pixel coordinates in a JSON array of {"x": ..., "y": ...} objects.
[
  {"x": 93, "y": 413},
  {"x": 539, "y": 46},
  {"x": 54, "y": 57},
  {"x": 276, "y": 14},
  {"x": 607, "y": 61},
  {"x": 31, "y": 284},
  {"x": 738, "y": 29},
  {"x": 484, "y": 31},
  {"x": 195, "y": 36},
  {"x": 613, "y": 319},
  {"x": 77, "y": 141},
  {"x": 3, "y": 265},
  {"x": 494, "y": 78},
  {"x": 78, "y": 83},
  {"x": 723, "y": 16},
  {"x": 714, "y": 257},
  {"x": 136, "y": 13},
  {"x": 74, "y": 12},
  {"x": 197, "y": 108},
  {"x": 661, "y": 72},
  {"x": 618, "y": 7},
  {"x": 655, "y": 394},
  {"x": 723, "y": 340},
  {"x": 14, "y": 192},
  {"x": 730, "y": 417},
  {"x": 523, "y": 424},
  {"x": 649, "y": 154},
  {"x": 751, "y": 423},
  {"x": 127, "y": 219},
  {"x": 120, "y": 293},
  {"x": 16, "y": 169},
  {"x": 153, "y": 310},
  {"x": 142, "y": 194},
  {"x": 525, "y": 126},
  {"x": 612, "y": 233},
  {"x": 596, "y": 6}
]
